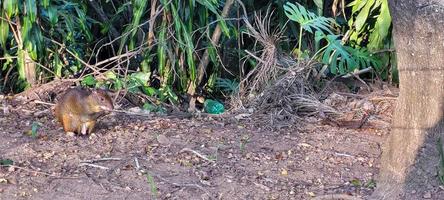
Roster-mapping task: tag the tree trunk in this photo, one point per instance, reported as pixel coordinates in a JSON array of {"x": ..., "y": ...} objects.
[{"x": 419, "y": 41}]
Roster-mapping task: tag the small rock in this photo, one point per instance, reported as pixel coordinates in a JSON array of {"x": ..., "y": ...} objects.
[
  {"x": 284, "y": 172},
  {"x": 162, "y": 139},
  {"x": 12, "y": 181},
  {"x": 427, "y": 195}
]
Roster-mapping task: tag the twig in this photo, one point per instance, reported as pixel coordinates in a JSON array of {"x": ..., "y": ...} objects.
[
  {"x": 44, "y": 103},
  {"x": 197, "y": 153},
  {"x": 336, "y": 196},
  {"x": 137, "y": 163},
  {"x": 368, "y": 69},
  {"x": 29, "y": 170},
  {"x": 93, "y": 165},
  {"x": 133, "y": 113},
  {"x": 75, "y": 56},
  {"x": 100, "y": 160},
  {"x": 184, "y": 184}
]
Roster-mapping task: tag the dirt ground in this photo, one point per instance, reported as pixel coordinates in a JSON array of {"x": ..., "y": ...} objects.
[{"x": 132, "y": 157}]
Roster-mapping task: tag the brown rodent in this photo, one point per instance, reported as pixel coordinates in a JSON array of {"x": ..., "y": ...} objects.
[{"x": 78, "y": 109}]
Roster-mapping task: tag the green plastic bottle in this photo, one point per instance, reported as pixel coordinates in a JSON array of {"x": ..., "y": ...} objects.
[{"x": 213, "y": 107}]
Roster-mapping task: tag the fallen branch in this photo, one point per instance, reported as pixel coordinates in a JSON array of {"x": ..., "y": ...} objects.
[
  {"x": 100, "y": 160},
  {"x": 197, "y": 153},
  {"x": 336, "y": 196},
  {"x": 93, "y": 165}
]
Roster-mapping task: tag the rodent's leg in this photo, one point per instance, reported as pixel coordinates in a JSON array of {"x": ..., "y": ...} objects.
[
  {"x": 68, "y": 123},
  {"x": 91, "y": 125},
  {"x": 84, "y": 128}
]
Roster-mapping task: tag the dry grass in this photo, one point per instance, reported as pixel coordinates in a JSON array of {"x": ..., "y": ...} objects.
[{"x": 279, "y": 85}]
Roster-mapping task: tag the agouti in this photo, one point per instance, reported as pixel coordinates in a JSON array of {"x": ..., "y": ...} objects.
[{"x": 78, "y": 109}]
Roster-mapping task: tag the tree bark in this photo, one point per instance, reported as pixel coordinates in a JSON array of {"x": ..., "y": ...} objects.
[{"x": 418, "y": 29}]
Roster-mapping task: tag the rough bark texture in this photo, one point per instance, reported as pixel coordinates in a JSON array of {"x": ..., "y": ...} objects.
[{"x": 409, "y": 156}]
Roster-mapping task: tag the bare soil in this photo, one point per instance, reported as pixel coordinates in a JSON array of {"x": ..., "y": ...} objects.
[{"x": 130, "y": 157}]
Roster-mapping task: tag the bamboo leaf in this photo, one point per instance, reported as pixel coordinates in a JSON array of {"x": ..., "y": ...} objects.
[
  {"x": 4, "y": 32},
  {"x": 211, "y": 6},
  {"x": 10, "y": 6},
  {"x": 363, "y": 15},
  {"x": 31, "y": 10},
  {"x": 45, "y": 3}
]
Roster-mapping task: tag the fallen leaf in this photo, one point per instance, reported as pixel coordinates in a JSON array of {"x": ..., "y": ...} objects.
[{"x": 284, "y": 172}]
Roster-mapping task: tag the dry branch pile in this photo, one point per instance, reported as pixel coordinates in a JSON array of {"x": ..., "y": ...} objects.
[{"x": 278, "y": 85}]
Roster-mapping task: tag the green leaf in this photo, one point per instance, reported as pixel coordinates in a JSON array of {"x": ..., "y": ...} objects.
[
  {"x": 150, "y": 91},
  {"x": 142, "y": 77},
  {"x": 337, "y": 56},
  {"x": 26, "y": 28},
  {"x": 4, "y": 32},
  {"x": 227, "y": 85},
  {"x": 363, "y": 58},
  {"x": 31, "y": 10},
  {"x": 118, "y": 84},
  {"x": 308, "y": 20},
  {"x": 53, "y": 15},
  {"x": 381, "y": 29},
  {"x": 150, "y": 107},
  {"x": 57, "y": 65},
  {"x": 10, "y": 6},
  {"x": 363, "y": 14},
  {"x": 356, "y": 182},
  {"x": 110, "y": 75},
  {"x": 45, "y": 3},
  {"x": 6, "y": 162},
  {"x": 8, "y": 61},
  {"x": 34, "y": 128},
  {"x": 223, "y": 25},
  {"x": 89, "y": 80}
]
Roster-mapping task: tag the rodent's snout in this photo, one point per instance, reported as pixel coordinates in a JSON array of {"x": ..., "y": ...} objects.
[{"x": 107, "y": 108}]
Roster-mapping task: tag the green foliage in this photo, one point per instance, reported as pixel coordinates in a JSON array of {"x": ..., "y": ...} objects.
[
  {"x": 227, "y": 85},
  {"x": 153, "y": 186},
  {"x": 27, "y": 30},
  {"x": 64, "y": 36},
  {"x": 6, "y": 162},
  {"x": 370, "y": 23},
  {"x": 308, "y": 20},
  {"x": 336, "y": 55},
  {"x": 340, "y": 58}
]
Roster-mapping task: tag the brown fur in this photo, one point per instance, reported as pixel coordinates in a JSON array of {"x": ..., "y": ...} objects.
[{"x": 78, "y": 109}]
